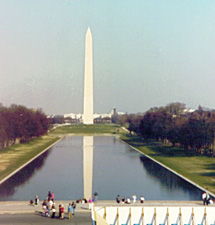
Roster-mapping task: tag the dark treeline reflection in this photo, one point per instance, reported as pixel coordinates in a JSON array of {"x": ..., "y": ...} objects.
[
  {"x": 168, "y": 179},
  {"x": 8, "y": 187}
]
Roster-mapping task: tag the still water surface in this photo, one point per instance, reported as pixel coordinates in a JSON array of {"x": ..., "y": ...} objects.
[{"x": 117, "y": 169}]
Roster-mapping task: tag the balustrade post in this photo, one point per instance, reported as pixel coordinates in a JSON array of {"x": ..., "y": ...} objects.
[
  {"x": 155, "y": 218},
  {"x": 142, "y": 216},
  {"x": 130, "y": 215},
  {"x": 117, "y": 216},
  {"x": 105, "y": 214},
  {"x": 180, "y": 216},
  {"x": 167, "y": 216},
  {"x": 193, "y": 222},
  {"x": 205, "y": 217}
]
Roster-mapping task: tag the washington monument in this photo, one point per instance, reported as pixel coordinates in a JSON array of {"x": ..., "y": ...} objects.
[{"x": 88, "y": 80}]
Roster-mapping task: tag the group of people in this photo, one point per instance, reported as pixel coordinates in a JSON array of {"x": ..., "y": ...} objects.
[
  {"x": 36, "y": 201},
  {"x": 71, "y": 210},
  {"x": 49, "y": 207},
  {"x": 128, "y": 200},
  {"x": 206, "y": 198},
  {"x": 84, "y": 200}
]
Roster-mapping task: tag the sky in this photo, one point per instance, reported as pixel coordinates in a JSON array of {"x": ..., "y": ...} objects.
[{"x": 146, "y": 53}]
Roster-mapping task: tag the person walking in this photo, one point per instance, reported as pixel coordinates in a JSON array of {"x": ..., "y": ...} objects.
[
  {"x": 70, "y": 211},
  {"x": 52, "y": 196},
  {"x": 47, "y": 211},
  {"x": 49, "y": 195},
  {"x": 95, "y": 196},
  {"x": 62, "y": 212},
  {"x": 36, "y": 201},
  {"x": 49, "y": 204},
  {"x": 44, "y": 206},
  {"x": 204, "y": 198},
  {"x": 134, "y": 198},
  {"x": 53, "y": 210},
  {"x": 207, "y": 198},
  {"x": 73, "y": 208},
  {"x": 118, "y": 199},
  {"x": 90, "y": 203}
]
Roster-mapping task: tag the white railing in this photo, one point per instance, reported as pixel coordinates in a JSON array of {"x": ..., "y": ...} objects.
[{"x": 154, "y": 215}]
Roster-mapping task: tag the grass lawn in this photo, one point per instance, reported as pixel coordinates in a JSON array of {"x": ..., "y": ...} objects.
[
  {"x": 15, "y": 156},
  {"x": 89, "y": 129},
  {"x": 199, "y": 169}
]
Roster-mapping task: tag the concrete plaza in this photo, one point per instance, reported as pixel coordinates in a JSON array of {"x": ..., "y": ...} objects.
[
  {"x": 19, "y": 207},
  {"x": 21, "y": 212}
]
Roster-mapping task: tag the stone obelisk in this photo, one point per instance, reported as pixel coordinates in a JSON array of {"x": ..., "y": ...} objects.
[{"x": 88, "y": 80}]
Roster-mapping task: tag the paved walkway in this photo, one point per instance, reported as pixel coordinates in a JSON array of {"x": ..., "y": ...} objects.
[
  {"x": 24, "y": 206},
  {"x": 21, "y": 212},
  {"x": 37, "y": 219}
]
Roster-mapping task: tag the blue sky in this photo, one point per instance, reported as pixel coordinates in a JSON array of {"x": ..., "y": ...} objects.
[{"x": 147, "y": 53}]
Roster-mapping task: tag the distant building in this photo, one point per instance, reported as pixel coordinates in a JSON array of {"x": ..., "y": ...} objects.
[
  {"x": 97, "y": 117},
  {"x": 105, "y": 120},
  {"x": 188, "y": 111}
]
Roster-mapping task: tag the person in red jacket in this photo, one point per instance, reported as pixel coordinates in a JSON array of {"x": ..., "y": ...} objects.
[{"x": 62, "y": 212}]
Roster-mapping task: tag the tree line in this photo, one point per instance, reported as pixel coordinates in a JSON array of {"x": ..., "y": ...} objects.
[
  {"x": 175, "y": 126},
  {"x": 18, "y": 123}
]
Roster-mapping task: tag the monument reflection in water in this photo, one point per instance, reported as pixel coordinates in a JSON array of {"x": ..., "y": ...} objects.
[
  {"x": 78, "y": 166},
  {"x": 88, "y": 165}
]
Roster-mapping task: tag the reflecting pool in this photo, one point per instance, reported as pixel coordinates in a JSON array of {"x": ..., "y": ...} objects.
[{"x": 78, "y": 166}]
